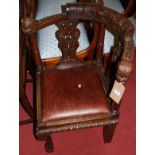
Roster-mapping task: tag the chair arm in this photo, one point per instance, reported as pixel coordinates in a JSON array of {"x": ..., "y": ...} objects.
[
  {"x": 30, "y": 25},
  {"x": 124, "y": 70},
  {"x": 121, "y": 25},
  {"x": 125, "y": 65}
]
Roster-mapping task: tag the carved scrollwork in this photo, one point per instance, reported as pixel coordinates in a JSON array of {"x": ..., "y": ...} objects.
[
  {"x": 117, "y": 22},
  {"x": 125, "y": 66},
  {"x": 124, "y": 69},
  {"x": 76, "y": 126},
  {"x": 68, "y": 36}
]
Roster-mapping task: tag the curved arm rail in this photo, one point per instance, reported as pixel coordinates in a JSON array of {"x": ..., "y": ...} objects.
[{"x": 92, "y": 12}]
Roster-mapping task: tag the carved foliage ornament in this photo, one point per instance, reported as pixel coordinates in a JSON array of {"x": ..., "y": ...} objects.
[{"x": 68, "y": 35}]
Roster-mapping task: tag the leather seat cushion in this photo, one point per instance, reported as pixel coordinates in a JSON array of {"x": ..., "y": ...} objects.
[{"x": 62, "y": 97}]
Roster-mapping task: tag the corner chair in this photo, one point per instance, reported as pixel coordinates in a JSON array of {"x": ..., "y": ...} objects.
[{"x": 74, "y": 93}]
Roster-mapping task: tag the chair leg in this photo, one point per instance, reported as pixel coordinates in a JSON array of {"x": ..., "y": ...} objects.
[
  {"x": 49, "y": 144},
  {"x": 108, "y": 132},
  {"x": 49, "y": 147}
]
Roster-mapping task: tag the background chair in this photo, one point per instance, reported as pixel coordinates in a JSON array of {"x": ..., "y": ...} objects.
[
  {"x": 119, "y": 5},
  {"x": 129, "y": 11},
  {"x": 74, "y": 93},
  {"x": 26, "y": 67},
  {"x": 23, "y": 80}
]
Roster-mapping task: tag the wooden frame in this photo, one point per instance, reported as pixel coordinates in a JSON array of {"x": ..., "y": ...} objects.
[{"x": 67, "y": 22}]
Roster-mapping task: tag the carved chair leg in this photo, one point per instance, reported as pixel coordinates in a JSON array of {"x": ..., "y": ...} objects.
[
  {"x": 49, "y": 147},
  {"x": 49, "y": 144},
  {"x": 108, "y": 132}
]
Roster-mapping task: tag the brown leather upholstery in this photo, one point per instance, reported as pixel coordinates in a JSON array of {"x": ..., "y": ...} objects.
[{"x": 62, "y": 98}]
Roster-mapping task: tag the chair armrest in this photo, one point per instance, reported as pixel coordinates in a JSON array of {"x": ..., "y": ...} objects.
[{"x": 121, "y": 25}]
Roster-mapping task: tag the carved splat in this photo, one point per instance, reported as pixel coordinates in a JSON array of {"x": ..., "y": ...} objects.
[{"x": 68, "y": 35}]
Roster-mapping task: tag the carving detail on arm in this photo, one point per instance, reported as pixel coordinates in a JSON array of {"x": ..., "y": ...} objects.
[
  {"x": 124, "y": 69},
  {"x": 121, "y": 25},
  {"x": 125, "y": 66}
]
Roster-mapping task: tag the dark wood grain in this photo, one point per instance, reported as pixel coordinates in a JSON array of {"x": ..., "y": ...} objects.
[{"x": 70, "y": 66}]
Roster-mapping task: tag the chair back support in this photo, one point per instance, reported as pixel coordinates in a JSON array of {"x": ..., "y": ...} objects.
[{"x": 68, "y": 34}]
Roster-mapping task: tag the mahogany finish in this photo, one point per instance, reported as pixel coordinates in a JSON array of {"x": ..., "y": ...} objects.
[
  {"x": 60, "y": 104},
  {"x": 29, "y": 10}
]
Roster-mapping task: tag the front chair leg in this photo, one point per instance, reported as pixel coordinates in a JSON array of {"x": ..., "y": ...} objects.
[
  {"x": 49, "y": 147},
  {"x": 108, "y": 132},
  {"x": 49, "y": 144}
]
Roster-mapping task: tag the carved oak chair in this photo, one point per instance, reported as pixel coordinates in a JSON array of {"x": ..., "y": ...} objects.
[{"x": 73, "y": 94}]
